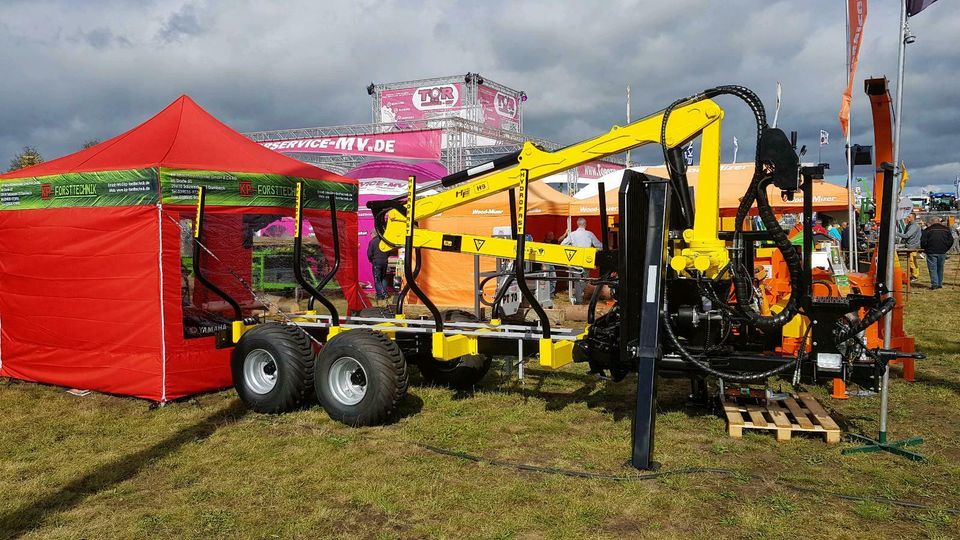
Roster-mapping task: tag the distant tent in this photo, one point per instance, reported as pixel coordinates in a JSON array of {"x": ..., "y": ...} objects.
[
  {"x": 94, "y": 292},
  {"x": 734, "y": 179},
  {"x": 448, "y": 277},
  {"x": 611, "y": 180}
]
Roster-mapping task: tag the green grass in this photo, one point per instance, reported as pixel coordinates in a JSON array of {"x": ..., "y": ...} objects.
[{"x": 108, "y": 467}]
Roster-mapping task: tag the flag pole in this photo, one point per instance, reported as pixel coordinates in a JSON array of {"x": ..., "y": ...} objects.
[
  {"x": 881, "y": 443},
  {"x": 851, "y": 213},
  {"x": 628, "y": 121}
]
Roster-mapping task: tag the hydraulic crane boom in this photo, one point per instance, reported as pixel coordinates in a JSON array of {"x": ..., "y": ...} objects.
[{"x": 684, "y": 123}]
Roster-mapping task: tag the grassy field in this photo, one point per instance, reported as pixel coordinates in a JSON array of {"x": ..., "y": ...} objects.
[{"x": 108, "y": 467}]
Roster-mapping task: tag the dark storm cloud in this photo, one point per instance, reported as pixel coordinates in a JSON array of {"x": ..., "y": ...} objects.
[{"x": 77, "y": 71}]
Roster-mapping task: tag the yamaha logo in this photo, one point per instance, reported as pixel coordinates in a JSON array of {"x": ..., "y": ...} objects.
[{"x": 430, "y": 98}]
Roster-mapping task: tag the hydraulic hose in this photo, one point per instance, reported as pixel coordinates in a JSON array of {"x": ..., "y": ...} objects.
[
  {"x": 707, "y": 368},
  {"x": 756, "y": 192},
  {"x": 871, "y": 317},
  {"x": 743, "y": 284}
]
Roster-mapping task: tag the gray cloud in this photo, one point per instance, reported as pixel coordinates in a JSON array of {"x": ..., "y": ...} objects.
[
  {"x": 268, "y": 65},
  {"x": 183, "y": 23}
]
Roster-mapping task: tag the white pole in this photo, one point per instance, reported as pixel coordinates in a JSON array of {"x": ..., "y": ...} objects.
[
  {"x": 892, "y": 212},
  {"x": 776, "y": 112},
  {"x": 628, "y": 121},
  {"x": 735, "y": 147}
]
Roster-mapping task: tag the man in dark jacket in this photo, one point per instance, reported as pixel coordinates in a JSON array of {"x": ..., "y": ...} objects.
[
  {"x": 380, "y": 261},
  {"x": 936, "y": 241}
]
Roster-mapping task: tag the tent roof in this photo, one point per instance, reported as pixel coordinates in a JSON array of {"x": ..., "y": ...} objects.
[
  {"x": 609, "y": 180},
  {"x": 541, "y": 200},
  {"x": 181, "y": 136},
  {"x": 398, "y": 170},
  {"x": 734, "y": 179}
]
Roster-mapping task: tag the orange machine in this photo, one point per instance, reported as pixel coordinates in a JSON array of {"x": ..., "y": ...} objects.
[{"x": 773, "y": 276}]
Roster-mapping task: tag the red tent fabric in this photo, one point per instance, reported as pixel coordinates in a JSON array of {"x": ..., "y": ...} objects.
[
  {"x": 181, "y": 136},
  {"x": 92, "y": 278}
]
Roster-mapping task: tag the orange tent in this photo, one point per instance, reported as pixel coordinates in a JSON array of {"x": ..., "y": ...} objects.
[
  {"x": 447, "y": 278},
  {"x": 734, "y": 179}
]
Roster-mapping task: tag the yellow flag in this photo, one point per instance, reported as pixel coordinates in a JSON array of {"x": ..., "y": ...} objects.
[{"x": 904, "y": 175}]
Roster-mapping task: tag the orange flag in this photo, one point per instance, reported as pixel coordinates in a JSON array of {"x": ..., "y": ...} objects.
[{"x": 857, "y": 10}]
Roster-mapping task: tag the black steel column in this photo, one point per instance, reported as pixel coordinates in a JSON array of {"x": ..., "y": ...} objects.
[{"x": 644, "y": 214}]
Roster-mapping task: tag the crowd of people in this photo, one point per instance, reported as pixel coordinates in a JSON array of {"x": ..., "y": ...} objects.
[{"x": 931, "y": 241}]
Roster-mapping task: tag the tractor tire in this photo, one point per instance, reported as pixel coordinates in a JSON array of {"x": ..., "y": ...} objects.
[
  {"x": 360, "y": 377},
  {"x": 272, "y": 368},
  {"x": 460, "y": 373}
]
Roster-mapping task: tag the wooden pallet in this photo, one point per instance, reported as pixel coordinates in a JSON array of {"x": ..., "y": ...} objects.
[{"x": 783, "y": 417}]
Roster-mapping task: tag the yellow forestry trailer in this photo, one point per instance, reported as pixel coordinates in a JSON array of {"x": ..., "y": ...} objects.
[{"x": 685, "y": 296}]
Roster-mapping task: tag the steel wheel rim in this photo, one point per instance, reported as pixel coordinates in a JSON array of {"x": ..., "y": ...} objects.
[
  {"x": 347, "y": 380},
  {"x": 260, "y": 371}
]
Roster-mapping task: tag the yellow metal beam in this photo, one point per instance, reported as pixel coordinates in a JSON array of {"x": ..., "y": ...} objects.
[{"x": 684, "y": 124}]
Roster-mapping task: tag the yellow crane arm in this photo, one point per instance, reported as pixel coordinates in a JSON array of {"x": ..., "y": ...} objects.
[{"x": 685, "y": 123}]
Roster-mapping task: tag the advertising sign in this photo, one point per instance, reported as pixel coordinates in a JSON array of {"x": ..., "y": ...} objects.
[
  {"x": 404, "y": 104},
  {"x": 103, "y": 188},
  {"x": 500, "y": 110},
  {"x": 423, "y": 144},
  {"x": 597, "y": 169},
  {"x": 179, "y": 186}
]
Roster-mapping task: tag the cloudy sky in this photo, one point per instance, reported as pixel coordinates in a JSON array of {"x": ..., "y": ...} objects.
[{"x": 76, "y": 70}]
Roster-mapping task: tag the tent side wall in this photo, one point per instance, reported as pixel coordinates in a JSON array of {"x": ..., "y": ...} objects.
[
  {"x": 192, "y": 365},
  {"x": 79, "y": 298}
]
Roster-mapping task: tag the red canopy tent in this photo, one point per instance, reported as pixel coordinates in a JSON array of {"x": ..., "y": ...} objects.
[{"x": 94, "y": 292}]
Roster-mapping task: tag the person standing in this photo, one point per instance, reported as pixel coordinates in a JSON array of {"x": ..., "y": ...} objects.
[
  {"x": 379, "y": 259},
  {"x": 580, "y": 238},
  {"x": 549, "y": 269},
  {"x": 910, "y": 238},
  {"x": 936, "y": 240},
  {"x": 834, "y": 232}
]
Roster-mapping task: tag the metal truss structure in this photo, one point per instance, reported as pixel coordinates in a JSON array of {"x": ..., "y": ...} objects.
[{"x": 466, "y": 140}]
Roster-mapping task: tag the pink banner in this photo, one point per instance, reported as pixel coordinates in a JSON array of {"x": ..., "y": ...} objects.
[
  {"x": 404, "y": 145},
  {"x": 597, "y": 169},
  {"x": 500, "y": 110},
  {"x": 404, "y": 104}
]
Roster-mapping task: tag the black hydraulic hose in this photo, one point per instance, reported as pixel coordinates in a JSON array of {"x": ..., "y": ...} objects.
[
  {"x": 497, "y": 303},
  {"x": 198, "y": 273},
  {"x": 406, "y": 285},
  {"x": 756, "y": 192},
  {"x": 705, "y": 367},
  {"x": 743, "y": 284},
  {"x": 484, "y": 281},
  {"x": 335, "y": 231},
  {"x": 501, "y": 162},
  {"x": 871, "y": 317},
  {"x": 592, "y": 306}
]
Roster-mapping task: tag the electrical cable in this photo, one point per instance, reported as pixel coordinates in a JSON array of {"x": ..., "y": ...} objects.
[{"x": 575, "y": 473}]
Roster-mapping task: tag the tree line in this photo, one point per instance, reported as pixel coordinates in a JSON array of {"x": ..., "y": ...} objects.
[{"x": 30, "y": 156}]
